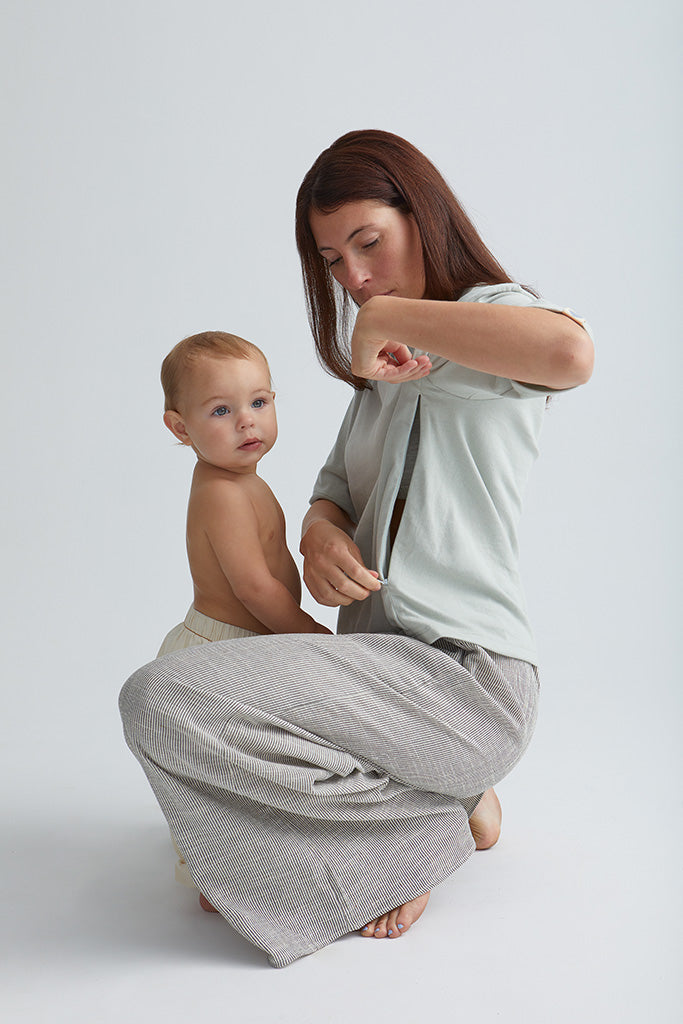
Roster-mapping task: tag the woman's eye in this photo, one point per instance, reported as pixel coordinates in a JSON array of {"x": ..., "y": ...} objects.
[
  {"x": 333, "y": 263},
  {"x": 222, "y": 410},
  {"x": 369, "y": 245}
]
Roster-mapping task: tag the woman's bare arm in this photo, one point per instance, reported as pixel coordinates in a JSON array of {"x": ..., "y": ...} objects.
[{"x": 535, "y": 346}]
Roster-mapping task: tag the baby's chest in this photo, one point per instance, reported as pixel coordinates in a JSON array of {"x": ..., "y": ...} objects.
[
  {"x": 270, "y": 520},
  {"x": 271, "y": 530}
]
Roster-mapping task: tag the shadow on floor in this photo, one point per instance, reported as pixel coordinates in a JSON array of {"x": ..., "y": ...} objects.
[{"x": 91, "y": 890}]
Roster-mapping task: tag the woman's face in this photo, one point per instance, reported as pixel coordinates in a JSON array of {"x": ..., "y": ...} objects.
[{"x": 371, "y": 249}]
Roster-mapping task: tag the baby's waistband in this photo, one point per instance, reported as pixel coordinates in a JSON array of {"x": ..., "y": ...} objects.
[{"x": 211, "y": 629}]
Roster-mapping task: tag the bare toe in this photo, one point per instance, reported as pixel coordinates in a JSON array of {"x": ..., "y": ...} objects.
[
  {"x": 205, "y": 905},
  {"x": 393, "y": 930},
  {"x": 396, "y": 922},
  {"x": 408, "y": 914}
]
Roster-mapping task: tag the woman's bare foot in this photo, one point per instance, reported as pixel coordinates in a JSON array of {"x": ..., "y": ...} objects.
[
  {"x": 485, "y": 821},
  {"x": 205, "y": 905},
  {"x": 396, "y": 922}
]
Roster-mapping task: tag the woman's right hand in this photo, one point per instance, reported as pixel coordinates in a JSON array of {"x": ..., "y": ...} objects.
[
  {"x": 375, "y": 353},
  {"x": 333, "y": 567}
]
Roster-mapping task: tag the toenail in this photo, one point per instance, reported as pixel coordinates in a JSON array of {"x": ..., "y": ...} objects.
[
  {"x": 366, "y": 927},
  {"x": 376, "y": 931},
  {"x": 390, "y": 932},
  {"x": 400, "y": 926}
]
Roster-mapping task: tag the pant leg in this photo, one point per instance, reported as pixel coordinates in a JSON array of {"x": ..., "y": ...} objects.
[
  {"x": 196, "y": 629},
  {"x": 313, "y": 782}
]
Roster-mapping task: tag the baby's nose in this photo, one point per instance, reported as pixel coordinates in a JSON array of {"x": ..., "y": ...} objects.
[{"x": 245, "y": 419}]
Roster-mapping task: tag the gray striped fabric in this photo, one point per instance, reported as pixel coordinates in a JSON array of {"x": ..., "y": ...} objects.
[{"x": 314, "y": 782}]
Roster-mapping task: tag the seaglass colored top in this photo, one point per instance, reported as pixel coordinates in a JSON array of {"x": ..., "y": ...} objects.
[{"x": 453, "y": 569}]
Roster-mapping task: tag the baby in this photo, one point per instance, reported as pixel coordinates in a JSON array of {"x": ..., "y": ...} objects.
[{"x": 219, "y": 402}]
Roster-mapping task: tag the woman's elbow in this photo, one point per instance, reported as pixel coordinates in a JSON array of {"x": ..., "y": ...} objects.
[{"x": 575, "y": 358}]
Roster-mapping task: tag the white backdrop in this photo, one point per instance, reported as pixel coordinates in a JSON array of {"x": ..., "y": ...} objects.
[{"x": 152, "y": 155}]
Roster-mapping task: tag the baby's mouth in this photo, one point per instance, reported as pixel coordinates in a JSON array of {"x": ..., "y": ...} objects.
[{"x": 250, "y": 444}]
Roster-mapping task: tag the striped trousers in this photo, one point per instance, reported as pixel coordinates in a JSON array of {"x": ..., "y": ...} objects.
[{"x": 313, "y": 782}]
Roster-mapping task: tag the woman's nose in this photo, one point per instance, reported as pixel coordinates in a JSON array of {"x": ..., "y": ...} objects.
[{"x": 357, "y": 275}]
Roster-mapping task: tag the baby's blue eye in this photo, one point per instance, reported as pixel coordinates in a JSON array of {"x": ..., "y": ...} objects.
[
  {"x": 258, "y": 403},
  {"x": 222, "y": 410}
]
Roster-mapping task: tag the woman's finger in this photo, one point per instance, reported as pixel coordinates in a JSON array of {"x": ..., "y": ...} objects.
[
  {"x": 397, "y": 352},
  {"x": 325, "y": 593},
  {"x": 354, "y": 574},
  {"x": 334, "y": 571},
  {"x": 399, "y": 374},
  {"x": 393, "y": 361},
  {"x": 335, "y": 584},
  {"x": 367, "y": 361}
]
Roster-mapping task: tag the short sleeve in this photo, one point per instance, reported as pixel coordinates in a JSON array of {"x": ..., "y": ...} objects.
[
  {"x": 472, "y": 384},
  {"x": 332, "y": 484}
]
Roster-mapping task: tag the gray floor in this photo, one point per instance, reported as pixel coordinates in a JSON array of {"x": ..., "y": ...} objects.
[{"x": 570, "y": 918}]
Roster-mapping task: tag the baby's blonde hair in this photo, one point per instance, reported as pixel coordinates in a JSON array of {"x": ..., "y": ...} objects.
[{"x": 210, "y": 343}]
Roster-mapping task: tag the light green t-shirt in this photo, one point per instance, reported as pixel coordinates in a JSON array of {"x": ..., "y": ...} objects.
[{"x": 453, "y": 569}]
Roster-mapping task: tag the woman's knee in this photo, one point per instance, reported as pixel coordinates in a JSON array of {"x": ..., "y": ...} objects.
[
  {"x": 489, "y": 762},
  {"x": 141, "y": 700}
]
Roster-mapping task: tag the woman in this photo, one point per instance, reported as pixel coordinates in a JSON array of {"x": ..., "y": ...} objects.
[{"x": 314, "y": 784}]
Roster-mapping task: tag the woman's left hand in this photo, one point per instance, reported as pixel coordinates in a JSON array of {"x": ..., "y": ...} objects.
[{"x": 374, "y": 357}]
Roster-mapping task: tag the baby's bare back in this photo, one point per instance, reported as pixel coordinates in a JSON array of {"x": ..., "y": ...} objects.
[{"x": 234, "y": 524}]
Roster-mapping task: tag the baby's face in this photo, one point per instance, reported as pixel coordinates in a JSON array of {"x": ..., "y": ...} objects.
[{"x": 228, "y": 410}]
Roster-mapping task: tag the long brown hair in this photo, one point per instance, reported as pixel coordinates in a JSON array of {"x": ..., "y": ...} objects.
[{"x": 384, "y": 167}]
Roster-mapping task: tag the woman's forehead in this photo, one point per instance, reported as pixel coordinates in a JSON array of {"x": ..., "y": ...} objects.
[{"x": 339, "y": 226}]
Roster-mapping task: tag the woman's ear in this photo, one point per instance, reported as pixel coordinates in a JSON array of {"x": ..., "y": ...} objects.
[{"x": 176, "y": 425}]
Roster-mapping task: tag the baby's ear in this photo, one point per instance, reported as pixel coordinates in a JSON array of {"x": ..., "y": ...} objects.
[{"x": 176, "y": 425}]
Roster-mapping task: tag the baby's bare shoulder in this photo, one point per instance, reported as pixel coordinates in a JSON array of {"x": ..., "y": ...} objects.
[{"x": 215, "y": 493}]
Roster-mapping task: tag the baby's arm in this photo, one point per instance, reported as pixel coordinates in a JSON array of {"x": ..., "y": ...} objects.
[{"x": 232, "y": 531}]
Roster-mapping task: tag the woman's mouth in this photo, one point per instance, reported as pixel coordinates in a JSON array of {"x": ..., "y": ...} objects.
[{"x": 362, "y": 300}]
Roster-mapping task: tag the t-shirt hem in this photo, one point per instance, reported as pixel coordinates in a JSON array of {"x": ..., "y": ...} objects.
[{"x": 490, "y": 643}]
